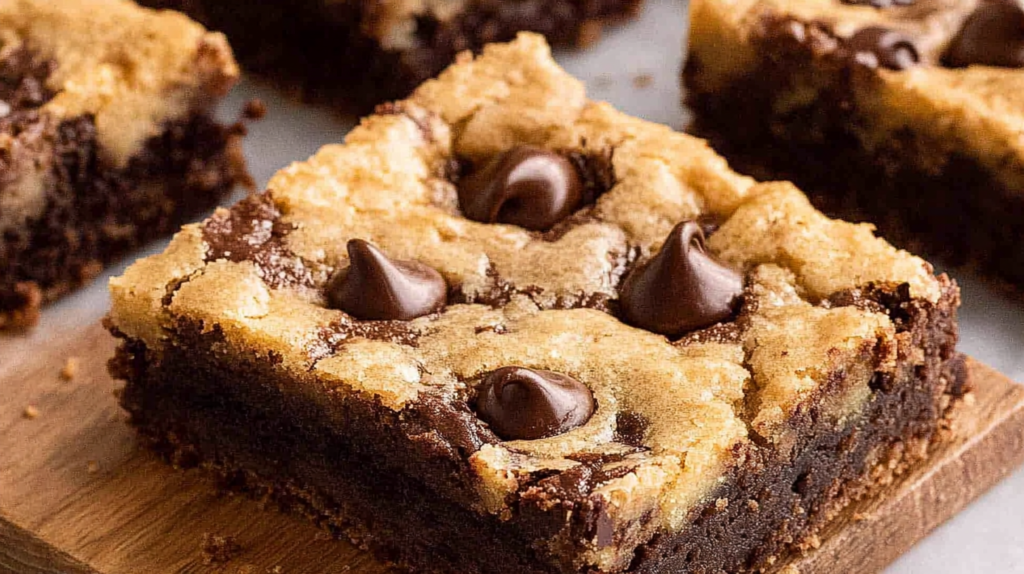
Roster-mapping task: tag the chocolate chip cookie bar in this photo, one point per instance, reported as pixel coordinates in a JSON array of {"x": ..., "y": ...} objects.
[
  {"x": 506, "y": 329},
  {"x": 363, "y": 52},
  {"x": 905, "y": 113},
  {"x": 106, "y": 139}
]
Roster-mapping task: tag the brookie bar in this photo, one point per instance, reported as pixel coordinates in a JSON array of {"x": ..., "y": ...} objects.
[
  {"x": 506, "y": 329},
  {"x": 106, "y": 139},
  {"x": 905, "y": 113},
  {"x": 367, "y": 51}
]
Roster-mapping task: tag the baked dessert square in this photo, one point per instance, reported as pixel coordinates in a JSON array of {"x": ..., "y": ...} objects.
[
  {"x": 106, "y": 139},
  {"x": 905, "y": 113},
  {"x": 364, "y": 52},
  {"x": 504, "y": 328}
]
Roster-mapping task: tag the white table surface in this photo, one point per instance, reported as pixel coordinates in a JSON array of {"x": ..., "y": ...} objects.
[{"x": 987, "y": 538}]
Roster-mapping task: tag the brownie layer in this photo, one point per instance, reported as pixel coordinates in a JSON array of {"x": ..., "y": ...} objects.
[
  {"x": 94, "y": 214},
  {"x": 322, "y": 50},
  {"x": 393, "y": 482},
  {"x": 921, "y": 196},
  {"x": 776, "y": 504}
]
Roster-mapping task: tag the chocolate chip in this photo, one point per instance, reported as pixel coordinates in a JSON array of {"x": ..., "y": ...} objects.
[
  {"x": 527, "y": 404},
  {"x": 681, "y": 288},
  {"x": 631, "y": 428},
  {"x": 876, "y": 46},
  {"x": 525, "y": 186},
  {"x": 375, "y": 288},
  {"x": 992, "y": 36}
]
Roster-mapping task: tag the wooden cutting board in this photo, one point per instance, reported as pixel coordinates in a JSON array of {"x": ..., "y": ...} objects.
[{"x": 78, "y": 496}]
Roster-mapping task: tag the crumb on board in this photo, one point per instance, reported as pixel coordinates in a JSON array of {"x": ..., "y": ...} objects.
[
  {"x": 790, "y": 570},
  {"x": 641, "y": 81},
  {"x": 246, "y": 569},
  {"x": 70, "y": 369},
  {"x": 30, "y": 412},
  {"x": 92, "y": 467},
  {"x": 217, "y": 549},
  {"x": 276, "y": 570}
]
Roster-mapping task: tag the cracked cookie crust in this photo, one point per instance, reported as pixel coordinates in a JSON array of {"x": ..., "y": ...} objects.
[{"x": 438, "y": 339}]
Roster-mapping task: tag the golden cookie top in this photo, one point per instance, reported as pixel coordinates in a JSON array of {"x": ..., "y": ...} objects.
[{"x": 387, "y": 266}]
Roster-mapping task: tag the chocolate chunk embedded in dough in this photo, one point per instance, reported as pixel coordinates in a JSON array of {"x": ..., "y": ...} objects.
[
  {"x": 527, "y": 404},
  {"x": 526, "y": 186},
  {"x": 992, "y": 36},
  {"x": 682, "y": 288},
  {"x": 882, "y": 47}
]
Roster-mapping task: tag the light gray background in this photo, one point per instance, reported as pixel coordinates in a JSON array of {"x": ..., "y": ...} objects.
[{"x": 986, "y": 538}]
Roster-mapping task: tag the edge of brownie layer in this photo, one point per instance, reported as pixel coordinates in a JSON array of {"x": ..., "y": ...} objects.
[
  {"x": 94, "y": 213},
  {"x": 287, "y": 42},
  {"x": 921, "y": 195},
  {"x": 184, "y": 403}
]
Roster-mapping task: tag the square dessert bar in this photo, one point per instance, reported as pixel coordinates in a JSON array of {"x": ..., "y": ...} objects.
[
  {"x": 907, "y": 113},
  {"x": 506, "y": 329},
  {"x": 106, "y": 139},
  {"x": 369, "y": 51}
]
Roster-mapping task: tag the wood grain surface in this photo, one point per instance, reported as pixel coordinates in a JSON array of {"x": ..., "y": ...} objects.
[{"x": 78, "y": 496}]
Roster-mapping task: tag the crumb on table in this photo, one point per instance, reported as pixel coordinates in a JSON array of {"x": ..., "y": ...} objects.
[
  {"x": 642, "y": 81},
  {"x": 70, "y": 369},
  {"x": 217, "y": 549},
  {"x": 30, "y": 412},
  {"x": 255, "y": 109}
]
